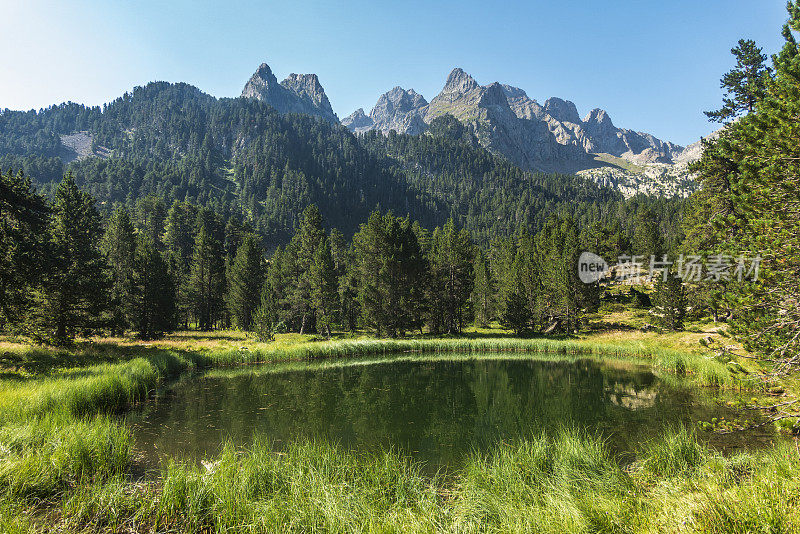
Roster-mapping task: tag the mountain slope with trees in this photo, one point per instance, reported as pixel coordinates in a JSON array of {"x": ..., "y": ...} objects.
[{"x": 242, "y": 159}]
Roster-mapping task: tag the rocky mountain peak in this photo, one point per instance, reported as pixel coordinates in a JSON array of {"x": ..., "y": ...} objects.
[
  {"x": 358, "y": 119},
  {"x": 260, "y": 83},
  {"x": 398, "y": 100},
  {"x": 504, "y": 119},
  {"x": 298, "y": 93},
  {"x": 599, "y": 117},
  {"x": 493, "y": 95},
  {"x": 459, "y": 82},
  {"x": 307, "y": 86},
  {"x": 562, "y": 110},
  {"x": 304, "y": 84},
  {"x": 522, "y": 105},
  {"x": 515, "y": 92}
]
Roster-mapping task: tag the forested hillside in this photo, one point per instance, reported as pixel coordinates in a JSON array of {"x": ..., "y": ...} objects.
[{"x": 243, "y": 160}]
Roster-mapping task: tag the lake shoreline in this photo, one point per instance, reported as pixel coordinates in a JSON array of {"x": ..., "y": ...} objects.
[{"x": 62, "y": 412}]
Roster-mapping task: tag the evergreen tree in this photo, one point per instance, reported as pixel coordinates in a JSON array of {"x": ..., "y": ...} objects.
[
  {"x": 745, "y": 85},
  {"x": 324, "y": 287},
  {"x": 299, "y": 256},
  {"x": 348, "y": 299},
  {"x": 23, "y": 220},
  {"x": 750, "y": 177},
  {"x": 562, "y": 291},
  {"x": 339, "y": 250},
  {"x": 119, "y": 248},
  {"x": 206, "y": 281},
  {"x": 647, "y": 239},
  {"x": 179, "y": 236},
  {"x": 483, "y": 291},
  {"x": 151, "y": 302},
  {"x": 72, "y": 298},
  {"x": 670, "y": 299},
  {"x": 264, "y": 323},
  {"x": 151, "y": 214},
  {"x": 245, "y": 282},
  {"x": 516, "y": 312},
  {"x": 269, "y": 313},
  {"x": 526, "y": 277},
  {"x": 515, "y": 267},
  {"x": 391, "y": 272},
  {"x": 452, "y": 278}
]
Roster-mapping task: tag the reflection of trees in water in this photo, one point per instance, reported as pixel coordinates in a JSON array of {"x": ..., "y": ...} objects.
[{"x": 438, "y": 410}]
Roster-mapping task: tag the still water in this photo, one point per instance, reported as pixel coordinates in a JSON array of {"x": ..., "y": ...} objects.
[{"x": 435, "y": 410}]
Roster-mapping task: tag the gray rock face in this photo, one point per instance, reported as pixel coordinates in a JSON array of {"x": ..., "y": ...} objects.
[
  {"x": 562, "y": 110},
  {"x": 298, "y": 93},
  {"x": 523, "y": 107},
  {"x": 514, "y": 133},
  {"x": 549, "y": 137},
  {"x": 358, "y": 121},
  {"x": 398, "y": 110}
]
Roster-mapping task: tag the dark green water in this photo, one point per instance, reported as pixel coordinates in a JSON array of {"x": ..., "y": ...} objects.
[{"x": 435, "y": 410}]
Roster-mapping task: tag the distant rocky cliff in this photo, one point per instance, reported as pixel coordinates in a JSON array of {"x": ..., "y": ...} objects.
[
  {"x": 299, "y": 93},
  {"x": 550, "y": 138}
]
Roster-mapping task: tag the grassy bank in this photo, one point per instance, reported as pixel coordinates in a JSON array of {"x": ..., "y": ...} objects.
[
  {"x": 65, "y": 463},
  {"x": 565, "y": 482}
]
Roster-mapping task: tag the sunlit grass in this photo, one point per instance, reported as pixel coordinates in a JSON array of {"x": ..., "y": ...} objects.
[
  {"x": 62, "y": 457},
  {"x": 565, "y": 481}
]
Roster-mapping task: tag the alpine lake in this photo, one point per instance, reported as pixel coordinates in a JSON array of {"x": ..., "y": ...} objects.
[{"x": 435, "y": 409}]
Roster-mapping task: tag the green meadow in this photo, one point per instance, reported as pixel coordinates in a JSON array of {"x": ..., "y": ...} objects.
[{"x": 70, "y": 464}]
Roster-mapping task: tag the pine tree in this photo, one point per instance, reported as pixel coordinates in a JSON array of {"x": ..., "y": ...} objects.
[
  {"x": 745, "y": 85},
  {"x": 268, "y": 315},
  {"x": 670, "y": 298},
  {"x": 339, "y": 251},
  {"x": 452, "y": 278},
  {"x": 151, "y": 214},
  {"x": 179, "y": 234},
  {"x": 273, "y": 294},
  {"x": 526, "y": 277},
  {"x": 264, "y": 323},
  {"x": 647, "y": 239},
  {"x": 750, "y": 177},
  {"x": 151, "y": 301},
  {"x": 119, "y": 248},
  {"x": 72, "y": 298},
  {"x": 391, "y": 272},
  {"x": 516, "y": 312},
  {"x": 299, "y": 256},
  {"x": 348, "y": 299},
  {"x": 23, "y": 220},
  {"x": 483, "y": 291},
  {"x": 206, "y": 281},
  {"x": 562, "y": 291},
  {"x": 369, "y": 245},
  {"x": 245, "y": 282},
  {"x": 324, "y": 287}
]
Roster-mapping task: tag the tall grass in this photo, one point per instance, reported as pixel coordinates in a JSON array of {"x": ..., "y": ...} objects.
[
  {"x": 44, "y": 456},
  {"x": 703, "y": 370},
  {"x": 563, "y": 482},
  {"x": 59, "y": 447}
]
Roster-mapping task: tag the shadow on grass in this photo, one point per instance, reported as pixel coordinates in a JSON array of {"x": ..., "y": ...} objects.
[{"x": 31, "y": 361}]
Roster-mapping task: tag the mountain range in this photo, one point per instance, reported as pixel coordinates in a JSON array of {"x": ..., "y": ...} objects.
[
  {"x": 549, "y": 137},
  {"x": 475, "y": 153}
]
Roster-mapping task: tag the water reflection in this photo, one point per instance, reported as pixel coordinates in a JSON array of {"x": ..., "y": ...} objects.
[{"x": 435, "y": 410}]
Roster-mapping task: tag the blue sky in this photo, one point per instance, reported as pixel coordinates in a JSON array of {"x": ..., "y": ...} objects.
[{"x": 653, "y": 65}]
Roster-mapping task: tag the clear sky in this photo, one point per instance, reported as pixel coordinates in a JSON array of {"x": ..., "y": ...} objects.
[{"x": 653, "y": 65}]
